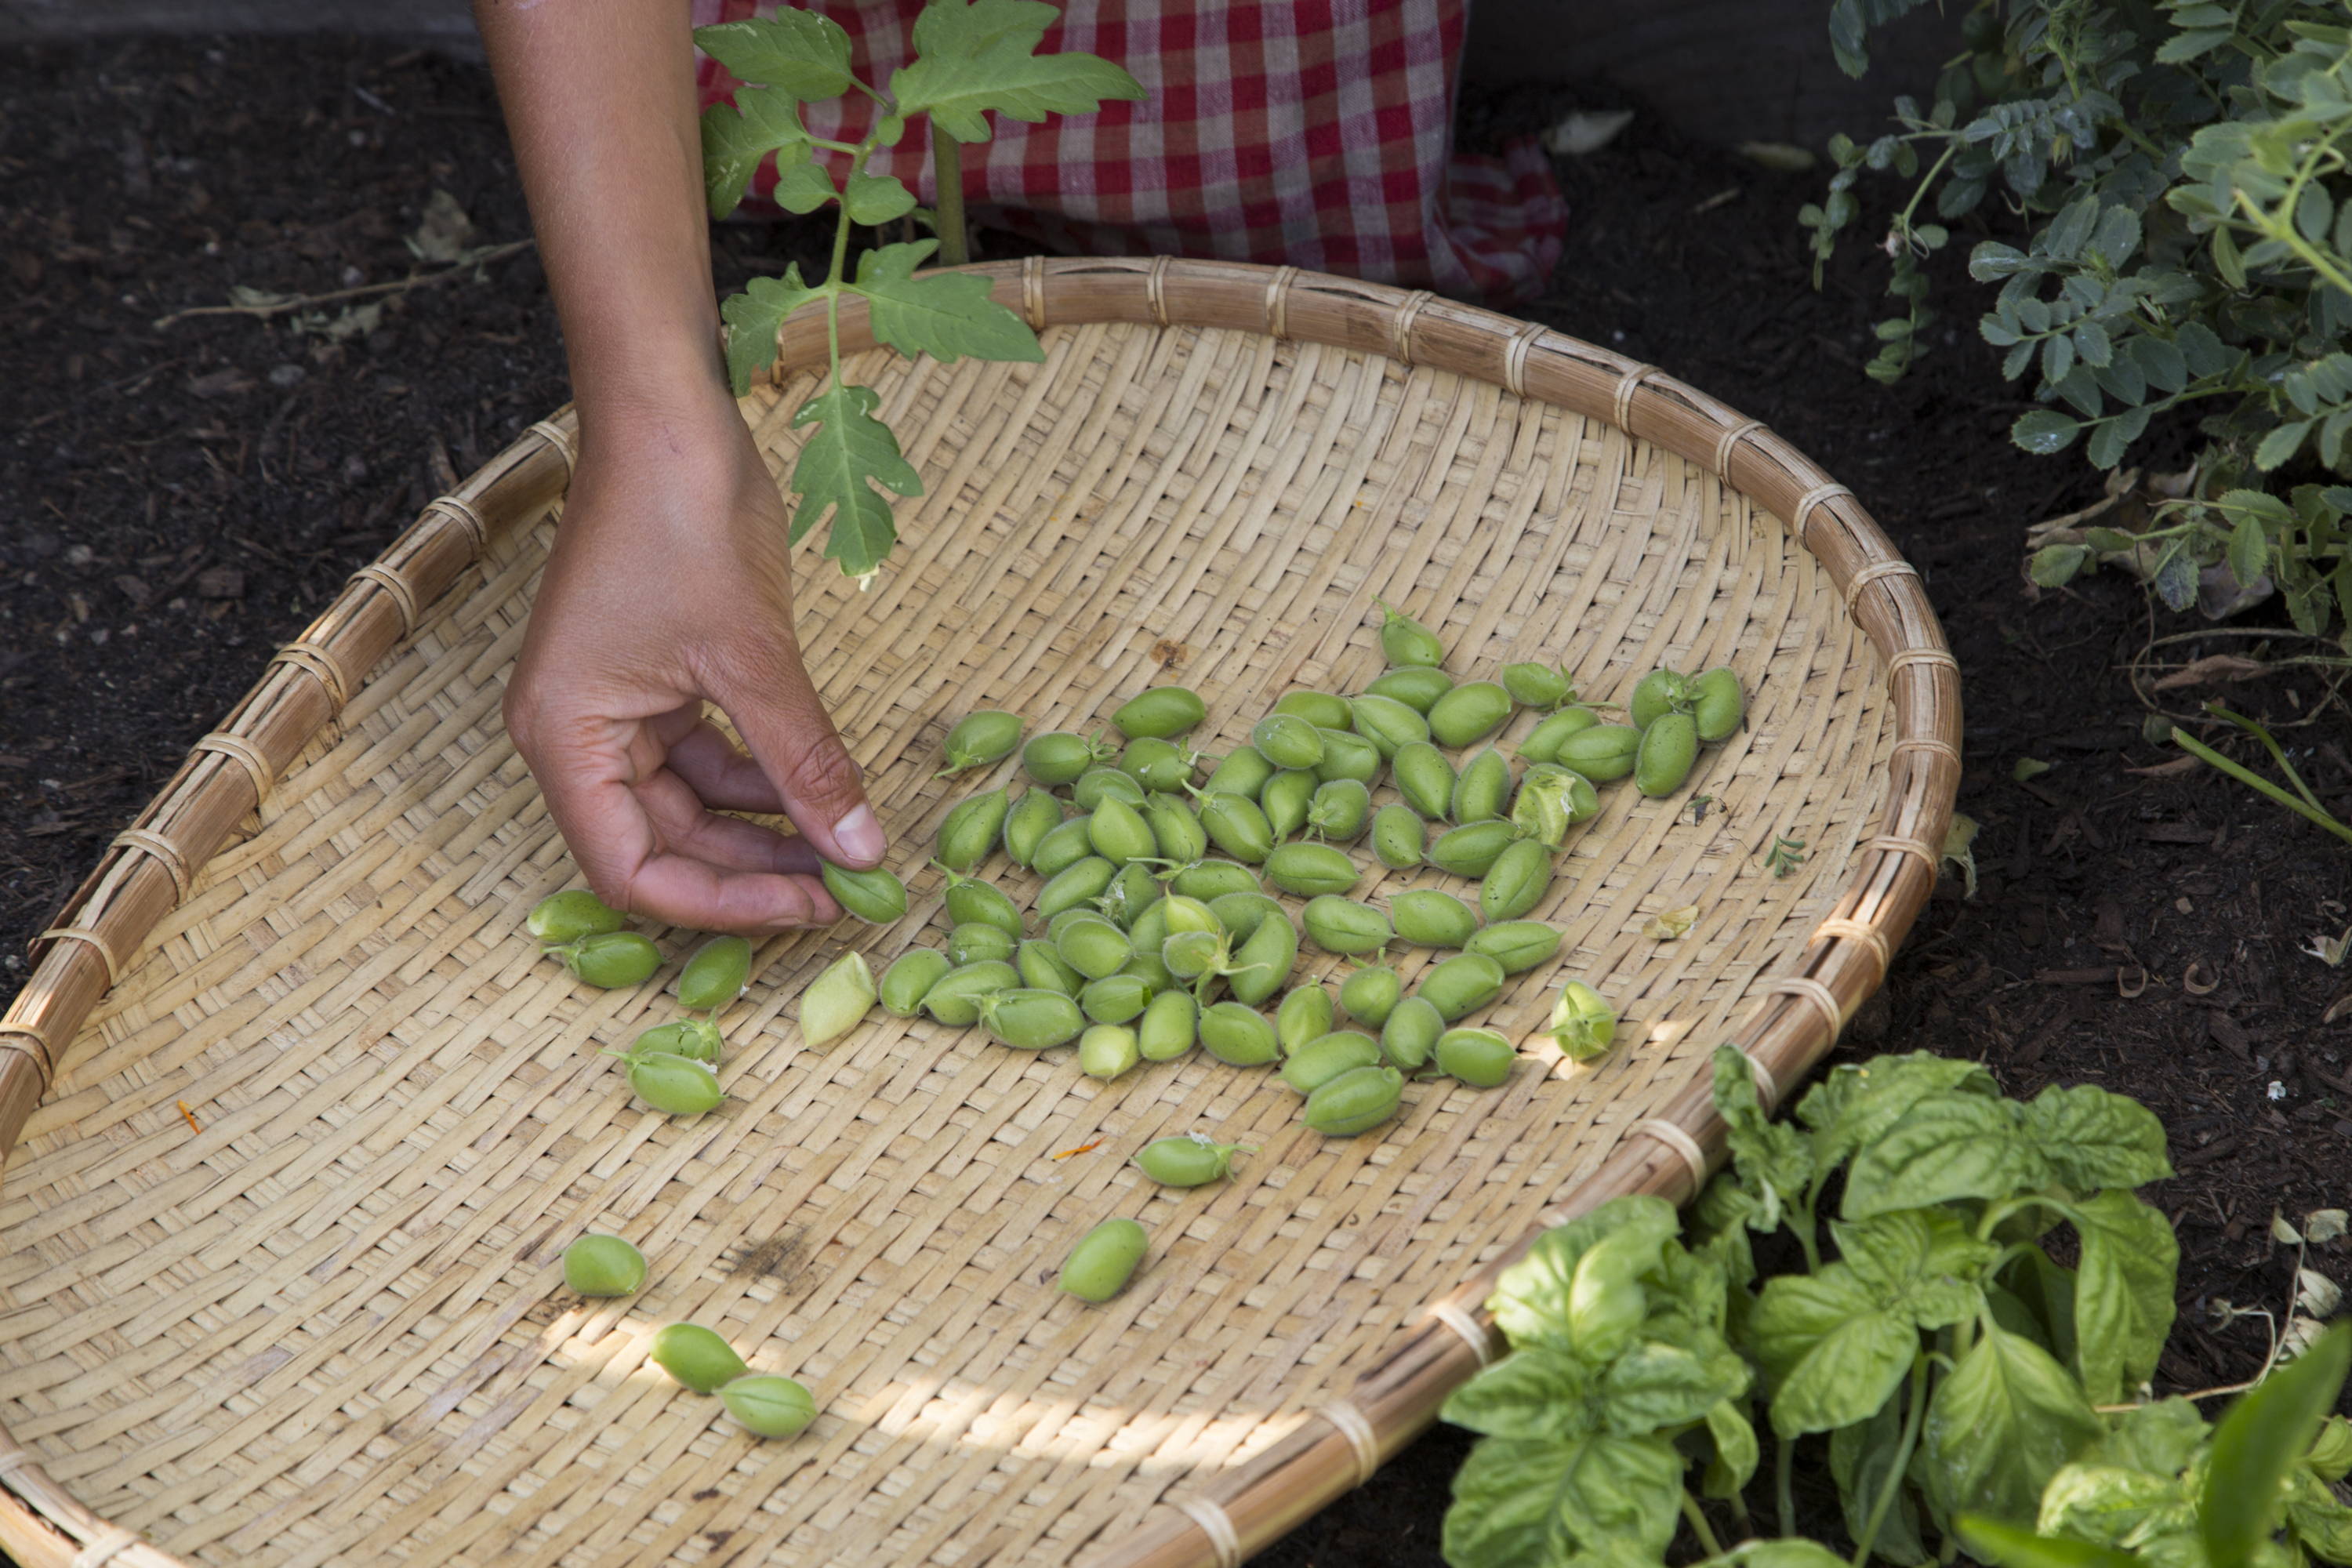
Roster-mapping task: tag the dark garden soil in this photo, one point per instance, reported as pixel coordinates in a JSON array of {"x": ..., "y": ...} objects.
[{"x": 176, "y": 501}]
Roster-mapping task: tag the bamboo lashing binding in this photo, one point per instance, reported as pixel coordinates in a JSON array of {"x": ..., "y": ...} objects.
[
  {"x": 1869, "y": 574},
  {"x": 1401, "y": 326},
  {"x": 1730, "y": 438},
  {"x": 1215, "y": 1524},
  {"x": 1855, "y": 931},
  {"x": 105, "y": 1547},
  {"x": 1355, "y": 1427},
  {"x": 158, "y": 847},
  {"x": 1823, "y": 1000},
  {"x": 1681, "y": 1142},
  {"x": 1277, "y": 302},
  {"x": 1515, "y": 358},
  {"x": 1466, "y": 1329},
  {"x": 1801, "y": 518},
  {"x": 1627, "y": 385},
  {"x": 403, "y": 598},
  {"x": 243, "y": 753}
]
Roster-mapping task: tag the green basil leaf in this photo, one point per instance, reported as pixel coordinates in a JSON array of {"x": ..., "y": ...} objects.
[
  {"x": 2096, "y": 1138},
  {"x": 1532, "y": 1500},
  {"x": 837, "y": 470},
  {"x": 2331, "y": 1454},
  {"x": 1854, "y": 1104},
  {"x": 1653, "y": 1387},
  {"x": 2158, "y": 1438},
  {"x": 1537, "y": 1393},
  {"x": 2000, "y": 1426},
  {"x": 1606, "y": 1299},
  {"x": 1736, "y": 1451},
  {"x": 2123, "y": 1292},
  {"x": 2044, "y": 1293},
  {"x": 2257, "y": 1444},
  {"x": 1946, "y": 1147},
  {"x": 1794, "y": 1552},
  {"x": 1922, "y": 1263},
  {"x": 1833, "y": 1351},
  {"x": 2316, "y": 1519},
  {"x": 2107, "y": 1504},
  {"x": 1861, "y": 1458},
  {"x": 945, "y": 316},
  {"x": 1531, "y": 1300}
]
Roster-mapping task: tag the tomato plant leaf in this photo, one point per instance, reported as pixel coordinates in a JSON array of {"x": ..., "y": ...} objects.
[
  {"x": 958, "y": 90},
  {"x": 2096, "y": 1138},
  {"x": 1533, "y": 1500},
  {"x": 752, "y": 318},
  {"x": 876, "y": 199},
  {"x": 762, "y": 120},
  {"x": 797, "y": 50},
  {"x": 2000, "y": 1426},
  {"x": 2123, "y": 1292},
  {"x": 946, "y": 315},
  {"x": 954, "y": 27},
  {"x": 839, "y": 466}
]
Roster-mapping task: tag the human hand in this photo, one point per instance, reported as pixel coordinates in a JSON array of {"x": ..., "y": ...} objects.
[{"x": 671, "y": 584}]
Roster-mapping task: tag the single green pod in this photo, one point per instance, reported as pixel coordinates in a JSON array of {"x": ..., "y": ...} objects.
[
  {"x": 1235, "y": 824},
  {"x": 971, "y": 831},
  {"x": 1461, "y": 985},
  {"x": 570, "y": 915},
  {"x": 981, "y": 739},
  {"x": 1542, "y": 743},
  {"x": 673, "y": 1085},
  {"x": 1099, "y": 785},
  {"x": 769, "y": 1405},
  {"x": 1243, "y": 772},
  {"x": 1106, "y": 1050},
  {"x": 1669, "y": 747},
  {"x": 1536, "y": 685},
  {"x": 1517, "y": 882},
  {"x": 1602, "y": 752},
  {"x": 1411, "y": 1033},
  {"x": 1319, "y": 709},
  {"x": 1115, "y": 998},
  {"x": 1286, "y": 799},
  {"x": 1094, "y": 946},
  {"x": 1064, "y": 919},
  {"x": 1059, "y": 756},
  {"x": 1105, "y": 1259},
  {"x": 1151, "y": 927},
  {"x": 1338, "y": 809},
  {"x": 1184, "y": 912},
  {"x": 1169, "y": 1026},
  {"x": 1305, "y": 1013},
  {"x": 1119, "y": 834},
  {"x": 1238, "y": 1035},
  {"x": 1656, "y": 694},
  {"x": 1042, "y": 967},
  {"x": 1287, "y": 740},
  {"x": 1582, "y": 1022},
  {"x": 1162, "y": 711},
  {"x": 976, "y": 941},
  {"x": 1516, "y": 946},
  {"x": 876, "y": 897},
  {"x": 1406, "y": 642},
  {"x": 697, "y": 1358},
  {"x": 1356, "y": 1101},
  {"x": 1240, "y": 912},
  {"x": 1418, "y": 687},
  {"x": 1541, "y": 811},
  {"x": 1187, "y": 1160},
  {"x": 1479, "y": 1057},
  {"x": 1262, "y": 965},
  {"x": 1063, "y": 846},
  {"x": 909, "y": 979},
  {"x": 1471, "y": 850},
  {"x": 836, "y": 1000},
  {"x": 1483, "y": 789},
  {"x": 603, "y": 1266},
  {"x": 1348, "y": 756},
  {"x": 1387, "y": 723},
  {"x": 1370, "y": 995},
  {"x": 1325, "y": 1058},
  {"x": 1075, "y": 885},
  {"x": 970, "y": 901},
  {"x": 1132, "y": 892},
  {"x": 1033, "y": 816},
  {"x": 1424, "y": 778},
  {"x": 1308, "y": 870},
  {"x": 611, "y": 959},
  {"x": 1471, "y": 710},
  {"x": 693, "y": 1038},
  {"x": 1583, "y": 802},
  {"x": 1176, "y": 830},
  {"x": 954, "y": 998},
  {"x": 1398, "y": 836},
  {"x": 1428, "y": 917},
  {"x": 1030, "y": 1020},
  {"x": 1718, "y": 704},
  {"x": 1146, "y": 966},
  {"x": 1209, "y": 880},
  {"x": 1157, "y": 765},
  {"x": 1343, "y": 925},
  {"x": 718, "y": 973}
]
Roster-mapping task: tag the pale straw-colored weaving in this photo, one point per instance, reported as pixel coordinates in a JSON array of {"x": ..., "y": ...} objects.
[{"x": 300, "y": 1120}]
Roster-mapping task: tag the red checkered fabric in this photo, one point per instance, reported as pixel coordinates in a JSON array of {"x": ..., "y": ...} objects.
[{"x": 1313, "y": 132}]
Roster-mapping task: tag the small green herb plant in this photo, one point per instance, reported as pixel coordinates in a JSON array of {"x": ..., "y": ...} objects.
[
  {"x": 972, "y": 58},
  {"x": 1970, "y": 1390},
  {"x": 2187, "y": 167}
]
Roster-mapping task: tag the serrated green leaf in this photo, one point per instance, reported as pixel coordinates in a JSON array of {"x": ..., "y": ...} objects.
[
  {"x": 804, "y": 187},
  {"x": 2042, "y": 431},
  {"x": 2123, "y": 1292},
  {"x": 2226, "y": 259},
  {"x": 2182, "y": 47},
  {"x": 2281, "y": 445},
  {"x": 797, "y": 50},
  {"x": 2175, "y": 577},
  {"x": 752, "y": 319},
  {"x": 875, "y": 199},
  {"x": 1855, "y": 1103},
  {"x": 945, "y": 316},
  {"x": 1772, "y": 1161},
  {"x": 2109, "y": 441},
  {"x": 2000, "y": 1426},
  {"x": 762, "y": 121},
  {"x": 2257, "y": 1442},
  {"x": 958, "y": 91},
  {"x": 2092, "y": 1138},
  {"x": 839, "y": 466},
  {"x": 953, "y": 27}
]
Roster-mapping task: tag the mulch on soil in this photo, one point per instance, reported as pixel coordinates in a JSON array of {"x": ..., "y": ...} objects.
[{"x": 176, "y": 501}]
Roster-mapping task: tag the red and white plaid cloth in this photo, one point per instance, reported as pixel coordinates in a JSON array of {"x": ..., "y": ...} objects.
[{"x": 1312, "y": 133}]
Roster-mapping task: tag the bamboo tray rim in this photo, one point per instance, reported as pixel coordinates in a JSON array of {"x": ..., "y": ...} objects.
[{"x": 151, "y": 865}]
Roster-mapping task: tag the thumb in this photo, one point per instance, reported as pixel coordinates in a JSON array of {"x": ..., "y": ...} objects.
[{"x": 791, "y": 736}]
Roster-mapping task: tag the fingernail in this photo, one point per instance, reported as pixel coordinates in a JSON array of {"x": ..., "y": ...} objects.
[{"x": 859, "y": 835}]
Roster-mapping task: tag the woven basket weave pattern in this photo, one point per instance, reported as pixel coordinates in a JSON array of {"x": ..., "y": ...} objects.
[{"x": 327, "y": 1325}]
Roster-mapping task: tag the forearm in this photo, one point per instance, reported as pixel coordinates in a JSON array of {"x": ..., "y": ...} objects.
[{"x": 600, "y": 104}]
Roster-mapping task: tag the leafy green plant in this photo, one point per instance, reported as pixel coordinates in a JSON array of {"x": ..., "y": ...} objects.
[
  {"x": 972, "y": 58},
  {"x": 2186, "y": 166},
  {"x": 1955, "y": 1368}
]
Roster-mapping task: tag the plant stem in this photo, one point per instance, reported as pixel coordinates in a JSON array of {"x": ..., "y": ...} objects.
[
  {"x": 1892, "y": 1487},
  {"x": 947, "y": 173},
  {"x": 2254, "y": 780},
  {"x": 1784, "y": 1463},
  {"x": 1705, "y": 1532}
]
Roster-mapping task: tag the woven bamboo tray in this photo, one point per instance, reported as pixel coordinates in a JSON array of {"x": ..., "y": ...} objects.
[{"x": 301, "y": 1121}]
